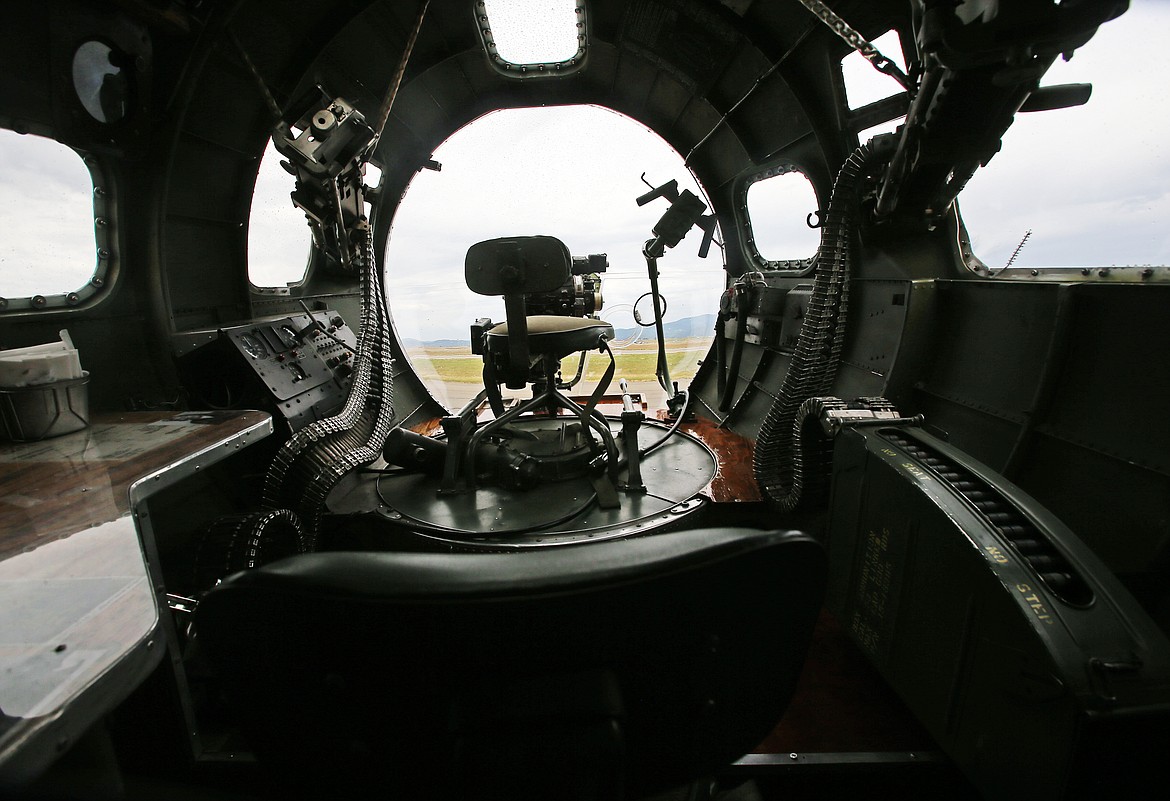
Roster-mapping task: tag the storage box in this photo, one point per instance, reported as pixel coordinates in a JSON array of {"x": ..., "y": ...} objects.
[{"x": 46, "y": 410}]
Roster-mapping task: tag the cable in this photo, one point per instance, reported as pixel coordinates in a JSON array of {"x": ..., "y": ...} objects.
[
  {"x": 638, "y": 318},
  {"x": 732, "y": 378},
  {"x": 388, "y": 471},
  {"x": 396, "y": 81},
  {"x": 649, "y": 449},
  {"x": 269, "y": 100},
  {"x": 325, "y": 331}
]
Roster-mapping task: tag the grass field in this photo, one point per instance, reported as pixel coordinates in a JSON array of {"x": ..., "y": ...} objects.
[{"x": 634, "y": 363}]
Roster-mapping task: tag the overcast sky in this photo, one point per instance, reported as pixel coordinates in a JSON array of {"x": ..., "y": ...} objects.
[
  {"x": 1091, "y": 183},
  {"x": 47, "y": 241}
]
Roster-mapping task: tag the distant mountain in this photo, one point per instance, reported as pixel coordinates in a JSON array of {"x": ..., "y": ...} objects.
[
  {"x": 702, "y": 325},
  {"x": 436, "y": 343}
]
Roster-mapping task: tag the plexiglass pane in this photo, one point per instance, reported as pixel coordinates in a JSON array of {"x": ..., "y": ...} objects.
[
  {"x": 889, "y": 126},
  {"x": 47, "y": 244},
  {"x": 778, "y": 208},
  {"x": 278, "y": 236},
  {"x": 534, "y": 31},
  {"x": 863, "y": 83}
]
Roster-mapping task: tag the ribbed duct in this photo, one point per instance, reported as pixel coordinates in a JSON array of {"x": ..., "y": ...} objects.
[{"x": 1030, "y": 543}]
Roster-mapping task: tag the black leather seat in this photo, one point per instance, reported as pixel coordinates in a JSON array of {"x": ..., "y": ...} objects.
[
  {"x": 611, "y": 670},
  {"x": 553, "y": 335},
  {"x": 529, "y": 349},
  {"x": 516, "y": 267}
]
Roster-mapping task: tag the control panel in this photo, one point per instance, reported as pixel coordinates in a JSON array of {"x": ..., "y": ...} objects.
[{"x": 297, "y": 366}]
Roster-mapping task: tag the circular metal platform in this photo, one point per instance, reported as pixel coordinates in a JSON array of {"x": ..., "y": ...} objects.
[{"x": 552, "y": 513}]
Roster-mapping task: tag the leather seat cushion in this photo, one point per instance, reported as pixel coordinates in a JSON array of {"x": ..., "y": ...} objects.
[{"x": 554, "y": 335}]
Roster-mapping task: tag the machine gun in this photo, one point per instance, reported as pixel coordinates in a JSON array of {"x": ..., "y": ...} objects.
[
  {"x": 981, "y": 63},
  {"x": 685, "y": 211},
  {"x": 327, "y": 141},
  {"x": 580, "y": 296}
]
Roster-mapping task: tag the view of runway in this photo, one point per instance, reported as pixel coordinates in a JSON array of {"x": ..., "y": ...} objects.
[{"x": 454, "y": 375}]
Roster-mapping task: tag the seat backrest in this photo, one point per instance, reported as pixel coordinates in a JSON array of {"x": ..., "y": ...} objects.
[
  {"x": 515, "y": 266},
  {"x": 594, "y": 672}
]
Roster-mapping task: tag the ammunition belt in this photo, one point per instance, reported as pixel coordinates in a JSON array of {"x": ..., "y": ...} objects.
[
  {"x": 816, "y": 423},
  {"x": 818, "y": 346},
  {"x": 313, "y": 460}
]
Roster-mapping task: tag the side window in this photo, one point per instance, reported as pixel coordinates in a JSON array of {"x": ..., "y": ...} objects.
[
  {"x": 778, "y": 205},
  {"x": 1093, "y": 177},
  {"x": 278, "y": 237},
  {"x": 54, "y": 241}
]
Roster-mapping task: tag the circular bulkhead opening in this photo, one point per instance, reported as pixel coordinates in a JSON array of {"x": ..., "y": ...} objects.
[{"x": 573, "y": 172}]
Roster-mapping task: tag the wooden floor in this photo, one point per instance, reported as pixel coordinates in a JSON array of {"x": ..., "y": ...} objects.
[
  {"x": 842, "y": 705},
  {"x": 734, "y": 480}
]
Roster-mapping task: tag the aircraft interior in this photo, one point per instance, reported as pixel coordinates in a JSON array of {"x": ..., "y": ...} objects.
[{"x": 858, "y": 515}]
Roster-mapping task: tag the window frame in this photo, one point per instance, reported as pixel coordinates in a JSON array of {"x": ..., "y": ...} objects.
[
  {"x": 402, "y": 334},
  {"x": 794, "y": 267},
  {"x": 882, "y": 111},
  {"x": 106, "y": 252},
  {"x": 549, "y": 69}
]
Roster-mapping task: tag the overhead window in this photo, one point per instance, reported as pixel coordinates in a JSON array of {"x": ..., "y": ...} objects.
[
  {"x": 779, "y": 204},
  {"x": 533, "y": 37},
  {"x": 278, "y": 236},
  {"x": 49, "y": 251},
  {"x": 1084, "y": 187},
  {"x": 863, "y": 83}
]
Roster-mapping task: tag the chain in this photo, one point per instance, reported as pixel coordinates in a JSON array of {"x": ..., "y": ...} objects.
[{"x": 858, "y": 42}]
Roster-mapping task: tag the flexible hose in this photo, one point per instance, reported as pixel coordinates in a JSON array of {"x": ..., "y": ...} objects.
[
  {"x": 819, "y": 344},
  {"x": 732, "y": 379},
  {"x": 649, "y": 449}
]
